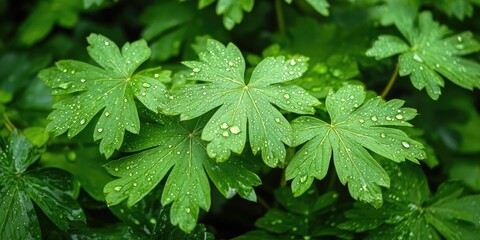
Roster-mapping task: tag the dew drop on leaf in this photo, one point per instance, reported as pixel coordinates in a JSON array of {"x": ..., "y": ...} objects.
[
  {"x": 286, "y": 96},
  {"x": 225, "y": 134},
  {"x": 196, "y": 70},
  {"x": 82, "y": 121},
  {"x": 292, "y": 62},
  {"x": 100, "y": 130},
  {"x": 224, "y": 126},
  {"x": 82, "y": 80},
  {"x": 117, "y": 188},
  {"x": 405, "y": 144},
  {"x": 107, "y": 114},
  {"x": 417, "y": 58},
  {"x": 399, "y": 116},
  {"x": 235, "y": 130},
  {"x": 303, "y": 179},
  {"x": 146, "y": 85},
  {"x": 277, "y": 120},
  {"x": 374, "y": 118}
]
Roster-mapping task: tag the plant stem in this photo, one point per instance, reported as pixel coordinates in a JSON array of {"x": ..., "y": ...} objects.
[
  {"x": 8, "y": 123},
  {"x": 390, "y": 82},
  {"x": 280, "y": 17}
]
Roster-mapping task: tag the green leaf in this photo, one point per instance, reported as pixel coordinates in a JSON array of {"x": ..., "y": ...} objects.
[
  {"x": 431, "y": 52},
  {"x": 86, "y": 164},
  {"x": 356, "y": 125},
  {"x": 87, "y": 90},
  {"x": 460, "y": 9},
  {"x": 176, "y": 148},
  {"x": 300, "y": 219},
  {"x": 222, "y": 70},
  {"x": 232, "y": 11},
  {"x": 36, "y": 135},
  {"x": 150, "y": 219},
  {"x": 50, "y": 189},
  {"x": 321, "y": 6},
  {"x": 38, "y": 24},
  {"x": 410, "y": 212}
]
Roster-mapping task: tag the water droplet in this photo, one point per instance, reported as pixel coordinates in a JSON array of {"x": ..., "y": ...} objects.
[
  {"x": 459, "y": 39},
  {"x": 152, "y": 221},
  {"x": 286, "y": 96},
  {"x": 225, "y": 134},
  {"x": 277, "y": 120},
  {"x": 135, "y": 184},
  {"x": 116, "y": 169},
  {"x": 399, "y": 116},
  {"x": 107, "y": 43},
  {"x": 187, "y": 210},
  {"x": 64, "y": 85},
  {"x": 405, "y": 144},
  {"x": 382, "y": 135},
  {"x": 196, "y": 69},
  {"x": 417, "y": 58},
  {"x": 82, "y": 121},
  {"x": 437, "y": 65},
  {"x": 235, "y": 130},
  {"x": 107, "y": 114},
  {"x": 82, "y": 80},
  {"x": 230, "y": 63},
  {"x": 146, "y": 85},
  {"x": 100, "y": 130},
  {"x": 292, "y": 62},
  {"x": 117, "y": 188},
  {"x": 303, "y": 179},
  {"x": 361, "y": 121},
  {"x": 374, "y": 118},
  {"x": 224, "y": 126}
]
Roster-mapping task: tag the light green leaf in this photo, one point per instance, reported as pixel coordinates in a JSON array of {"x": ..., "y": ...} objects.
[
  {"x": 356, "y": 125},
  {"x": 86, "y": 90},
  {"x": 321, "y": 6},
  {"x": 232, "y": 11},
  {"x": 432, "y": 53},
  {"x": 36, "y": 135},
  {"x": 222, "y": 70},
  {"x": 176, "y": 148}
]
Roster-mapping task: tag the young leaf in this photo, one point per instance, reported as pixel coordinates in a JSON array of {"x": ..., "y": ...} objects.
[
  {"x": 232, "y": 11},
  {"x": 356, "y": 125},
  {"x": 50, "y": 189},
  {"x": 321, "y": 6},
  {"x": 87, "y": 90},
  {"x": 222, "y": 69},
  {"x": 176, "y": 146},
  {"x": 431, "y": 52},
  {"x": 410, "y": 212}
]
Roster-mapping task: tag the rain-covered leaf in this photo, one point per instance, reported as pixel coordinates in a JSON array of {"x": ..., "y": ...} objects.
[
  {"x": 299, "y": 217},
  {"x": 176, "y": 148},
  {"x": 431, "y": 54},
  {"x": 321, "y": 6},
  {"x": 222, "y": 69},
  {"x": 85, "y": 90},
  {"x": 410, "y": 212},
  {"x": 45, "y": 15},
  {"x": 149, "y": 219},
  {"x": 356, "y": 124},
  {"x": 50, "y": 189}
]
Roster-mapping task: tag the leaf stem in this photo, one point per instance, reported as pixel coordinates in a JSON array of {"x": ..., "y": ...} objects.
[
  {"x": 280, "y": 17},
  {"x": 8, "y": 123},
  {"x": 391, "y": 81}
]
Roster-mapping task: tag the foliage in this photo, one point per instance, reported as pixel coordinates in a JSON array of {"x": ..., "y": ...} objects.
[{"x": 205, "y": 104}]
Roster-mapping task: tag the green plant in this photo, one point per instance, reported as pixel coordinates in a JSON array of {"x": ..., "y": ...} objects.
[{"x": 236, "y": 98}]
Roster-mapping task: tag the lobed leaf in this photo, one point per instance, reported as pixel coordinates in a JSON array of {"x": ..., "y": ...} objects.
[
  {"x": 222, "y": 70},
  {"x": 176, "y": 148},
  {"x": 356, "y": 125},
  {"x": 431, "y": 52},
  {"x": 87, "y": 90}
]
